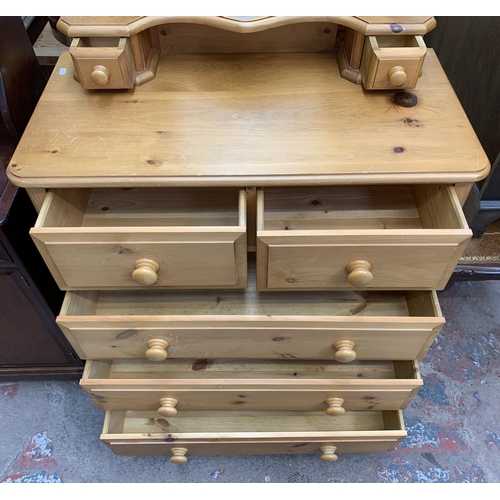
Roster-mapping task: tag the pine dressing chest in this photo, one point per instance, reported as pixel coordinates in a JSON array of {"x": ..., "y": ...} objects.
[{"x": 251, "y": 218}]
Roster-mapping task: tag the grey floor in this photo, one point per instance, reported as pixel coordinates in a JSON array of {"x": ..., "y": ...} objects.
[{"x": 49, "y": 431}]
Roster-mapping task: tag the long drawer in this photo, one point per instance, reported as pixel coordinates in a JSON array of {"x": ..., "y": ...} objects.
[
  {"x": 223, "y": 433},
  {"x": 144, "y": 238},
  {"x": 359, "y": 237},
  {"x": 342, "y": 325},
  {"x": 203, "y": 385}
]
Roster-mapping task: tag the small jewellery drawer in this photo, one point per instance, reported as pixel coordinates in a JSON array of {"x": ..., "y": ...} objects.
[
  {"x": 227, "y": 385},
  {"x": 341, "y": 326},
  {"x": 144, "y": 238},
  {"x": 228, "y": 433},
  {"x": 103, "y": 63},
  {"x": 380, "y": 237},
  {"x": 391, "y": 62}
]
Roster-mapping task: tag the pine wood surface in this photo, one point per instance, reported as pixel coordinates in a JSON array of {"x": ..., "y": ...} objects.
[
  {"x": 143, "y": 433},
  {"x": 249, "y": 324},
  {"x": 246, "y": 120},
  {"x": 229, "y": 385},
  {"x": 94, "y": 240},
  {"x": 307, "y": 237},
  {"x": 128, "y": 25}
]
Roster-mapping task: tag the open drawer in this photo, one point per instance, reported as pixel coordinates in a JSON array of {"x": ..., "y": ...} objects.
[
  {"x": 103, "y": 62},
  {"x": 204, "y": 385},
  {"x": 144, "y": 238},
  {"x": 392, "y": 61},
  {"x": 380, "y": 237},
  {"x": 226, "y": 433},
  {"x": 247, "y": 324}
]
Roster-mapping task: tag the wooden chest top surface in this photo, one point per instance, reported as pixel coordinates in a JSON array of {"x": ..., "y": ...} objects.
[{"x": 247, "y": 119}]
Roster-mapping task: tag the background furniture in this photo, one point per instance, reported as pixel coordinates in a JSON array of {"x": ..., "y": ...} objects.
[
  {"x": 32, "y": 344},
  {"x": 466, "y": 47}
]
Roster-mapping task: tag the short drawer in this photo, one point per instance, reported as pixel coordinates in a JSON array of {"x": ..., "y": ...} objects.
[
  {"x": 227, "y": 433},
  {"x": 359, "y": 237},
  {"x": 391, "y": 62},
  {"x": 144, "y": 238},
  {"x": 180, "y": 386},
  {"x": 341, "y": 326},
  {"x": 103, "y": 63}
]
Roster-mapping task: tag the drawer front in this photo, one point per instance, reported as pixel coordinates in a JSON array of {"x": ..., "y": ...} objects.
[
  {"x": 359, "y": 238},
  {"x": 392, "y": 62},
  {"x": 105, "y": 63},
  {"x": 279, "y": 338},
  {"x": 142, "y": 433},
  {"x": 135, "y": 239},
  {"x": 392, "y": 397},
  {"x": 109, "y": 259},
  {"x": 335, "y": 261}
]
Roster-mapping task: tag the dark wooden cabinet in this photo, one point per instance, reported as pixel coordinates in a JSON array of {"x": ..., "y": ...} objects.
[
  {"x": 31, "y": 344},
  {"x": 467, "y": 49}
]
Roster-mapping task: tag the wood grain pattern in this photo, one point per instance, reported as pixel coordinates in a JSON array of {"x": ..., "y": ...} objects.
[
  {"x": 143, "y": 433},
  {"x": 251, "y": 325},
  {"x": 126, "y": 26},
  {"x": 197, "y": 39},
  {"x": 229, "y": 386},
  {"x": 92, "y": 240},
  {"x": 315, "y": 233},
  {"x": 246, "y": 120}
]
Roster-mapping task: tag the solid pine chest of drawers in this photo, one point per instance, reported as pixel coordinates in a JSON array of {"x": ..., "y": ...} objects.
[{"x": 251, "y": 219}]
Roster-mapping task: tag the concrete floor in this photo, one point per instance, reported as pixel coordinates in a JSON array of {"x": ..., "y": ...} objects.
[{"x": 49, "y": 431}]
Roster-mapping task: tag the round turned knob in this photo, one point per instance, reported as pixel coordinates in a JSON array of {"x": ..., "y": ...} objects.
[
  {"x": 145, "y": 272},
  {"x": 397, "y": 76},
  {"x": 358, "y": 273},
  {"x": 344, "y": 351},
  {"x": 329, "y": 453},
  {"x": 335, "y": 406},
  {"x": 167, "y": 408},
  {"x": 178, "y": 455},
  {"x": 100, "y": 75},
  {"x": 157, "y": 349}
]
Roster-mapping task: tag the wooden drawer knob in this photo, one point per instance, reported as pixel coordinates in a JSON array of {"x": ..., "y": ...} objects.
[
  {"x": 358, "y": 273},
  {"x": 334, "y": 406},
  {"x": 100, "y": 75},
  {"x": 329, "y": 453},
  {"x": 167, "y": 408},
  {"x": 344, "y": 351},
  {"x": 157, "y": 350},
  {"x": 145, "y": 272},
  {"x": 397, "y": 76},
  {"x": 179, "y": 455}
]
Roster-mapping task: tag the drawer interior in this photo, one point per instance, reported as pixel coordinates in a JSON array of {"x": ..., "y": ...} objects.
[
  {"x": 359, "y": 207},
  {"x": 232, "y": 424},
  {"x": 136, "y": 207},
  {"x": 96, "y": 41},
  {"x": 390, "y": 41},
  {"x": 249, "y": 302},
  {"x": 228, "y": 370}
]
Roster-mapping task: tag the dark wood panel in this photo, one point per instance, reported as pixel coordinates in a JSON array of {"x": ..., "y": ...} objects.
[
  {"x": 467, "y": 47},
  {"x": 23, "y": 333}
]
